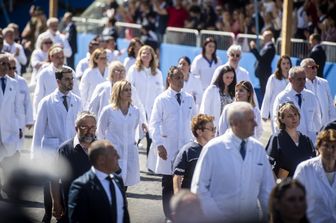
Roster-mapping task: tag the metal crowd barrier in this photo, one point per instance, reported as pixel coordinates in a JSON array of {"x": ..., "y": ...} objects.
[
  {"x": 87, "y": 25},
  {"x": 224, "y": 39},
  {"x": 244, "y": 40},
  {"x": 330, "y": 49},
  {"x": 182, "y": 36},
  {"x": 128, "y": 30},
  {"x": 299, "y": 47}
]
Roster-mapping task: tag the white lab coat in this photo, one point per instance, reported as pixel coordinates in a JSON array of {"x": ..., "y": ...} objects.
[
  {"x": 90, "y": 79},
  {"x": 211, "y": 104},
  {"x": 112, "y": 55},
  {"x": 119, "y": 129},
  {"x": 46, "y": 84},
  {"x": 57, "y": 38},
  {"x": 82, "y": 65},
  {"x": 229, "y": 187},
  {"x": 310, "y": 121},
  {"x": 193, "y": 86},
  {"x": 273, "y": 87},
  {"x": 169, "y": 126},
  {"x": 54, "y": 125},
  {"x": 321, "y": 196},
  {"x": 21, "y": 59},
  {"x": 11, "y": 112},
  {"x": 147, "y": 85},
  {"x": 224, "y": 122},
  {"x": 201, "y": 67},
  {"x": 38, "y": 57},
  {"x": 320, "y": 87},
  {"x": 25, "y": 102},
  {"x": 241, "y": 73},
  {"x": 101, "y": 97},
  {"x": 128, "y": 62}
]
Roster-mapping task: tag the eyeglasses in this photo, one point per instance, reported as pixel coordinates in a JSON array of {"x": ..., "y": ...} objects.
[
  {"x": 313, "y": 66},
  {"x": 235, "y": 55},
  {"x": 213, "y": 129},
  {"x": 119, "y": 71},
  {"x": 87, "y": 128},
  {"x": 47, "y": 42},
  {"x": 12, "y": 68}
]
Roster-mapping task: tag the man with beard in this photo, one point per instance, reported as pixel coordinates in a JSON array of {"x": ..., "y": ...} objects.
[
  {"x": 55, "y": 123},
  {"x": 75, "y": 152}
]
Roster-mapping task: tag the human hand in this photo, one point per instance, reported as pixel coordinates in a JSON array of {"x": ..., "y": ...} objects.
[
  {"x": 58, "y": 210},
  {"x": 162, "y": 152},
  {"x": 253, "y": 45}
]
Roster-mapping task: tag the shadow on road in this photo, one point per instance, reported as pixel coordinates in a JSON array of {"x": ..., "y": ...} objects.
[{"x": 143, "y": 196}]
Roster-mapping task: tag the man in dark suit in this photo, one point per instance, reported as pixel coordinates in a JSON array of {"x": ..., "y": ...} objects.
[
  {"x": 70, "y": 32},
  {"x": 98, "y": 195},
  {"x": 317, "y": 52},
  {"x": 75, "y": 153},
  {"x": 263, "y": 65}
]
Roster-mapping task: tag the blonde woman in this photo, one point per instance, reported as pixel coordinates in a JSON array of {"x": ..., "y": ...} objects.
[
  {"x": 94, "y": 75},
  {"x": 117, "y": 123},
  {"x": 146, "y": 78}
]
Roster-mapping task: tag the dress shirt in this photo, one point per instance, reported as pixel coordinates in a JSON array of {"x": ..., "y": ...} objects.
[{"x": 106, "y": 185}]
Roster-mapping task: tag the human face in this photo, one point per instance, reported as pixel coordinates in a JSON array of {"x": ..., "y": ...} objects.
[
  {"x": 137, "y": 47},
  {"x": 234, "y": 58},
  {"x": 53, "y": 27},
  {"x": 184, "y": 66},
  {"x": 46, "y": 44},
  {"x": 111, "y": 44},
  {"x": 126, "y": 93},
  {"x": 146, "y": 56},
  {"x": 298, "y": 81},
  {"x": 12, "y": 68},
  {"x": 285, "y": 66},
  {"x": 9, "y": 37},
  {"x": 208, "y": 131},
  {"x": 327, "y": 150},
  {"x": 210, "y": 48},
  {"x": 176, "y": 80},
  {"x": 245, "y": 126},
  {"x": 228, "y": 78},
  {"x": 290, "y": 118},
  {"x": 4, "y": 66},
  {"x": 111, "y": 160},
  {"x": 86, "y": 130},
  {"x": 66, "y": 83},
  {"x": 101, "y": 60},
  {"x": 118, "y": 74},
  {"x": 292, "y": 205},
  {"x": 311, "y": 70},
  {"x": 241, "y": 94},
  {"x": 58, "y": 59}
]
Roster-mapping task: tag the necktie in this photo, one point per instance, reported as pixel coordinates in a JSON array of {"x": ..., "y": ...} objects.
[
  {"x": 65, "y": 102},
  {"x": 299, "y": 99},
  {"x": 178, "y": 98},
  {"x": 243, "y": 149},
  {"x": 113, "y": 199},
  {"x": 3, "y": 84}
]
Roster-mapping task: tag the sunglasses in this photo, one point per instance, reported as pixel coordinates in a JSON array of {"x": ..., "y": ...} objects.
[
  {"x": 234, "y": 55},
  {"x": 313, "y": 66},
  {"x": 48, "y": 42},
  {"x": 12, "y": 68}
]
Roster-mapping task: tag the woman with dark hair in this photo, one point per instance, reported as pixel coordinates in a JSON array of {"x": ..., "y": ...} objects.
[
  {"x": 318, "y": 175},
  {"x": 132, "y": 52},
  {"x": 219, "y": 94},
  {"x": 275, "y": 84},
  {"x": 243, "y": 92},
  {"x": 192, "y": 84},
  {"x": 289, "y": 147},
  {"x": 287, "y": 203},
  {"x": 205, "y": 64}
]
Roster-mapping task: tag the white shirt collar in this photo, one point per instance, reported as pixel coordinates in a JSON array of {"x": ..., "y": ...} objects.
[{"x": 101, "y": 175}]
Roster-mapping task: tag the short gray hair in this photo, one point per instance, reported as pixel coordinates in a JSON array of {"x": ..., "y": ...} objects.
[
  {"x": 295, "y": 70},
  {"x": 233, "y": 47},
  {"x": 84, "y": 114},
  {"x": 52, "y": 20},
  {"x": 237, "y": 111},
  {"x": 306, "y": 61}
]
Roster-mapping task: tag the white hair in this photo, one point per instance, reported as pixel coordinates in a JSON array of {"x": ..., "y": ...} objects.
[
  {"x": 237, "y": 111},
  {"x": 306, "y": 61},
  {"x": 84, "y": 114},
  {"x": 232, "y": 48},
  {"x": 52, "y": 20},
  {"x": 295, "y": 70}
]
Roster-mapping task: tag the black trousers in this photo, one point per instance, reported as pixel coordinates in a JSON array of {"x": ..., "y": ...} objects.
[
  {"x": 167, "y": 193},
  {"x": 47, "y": 203}
]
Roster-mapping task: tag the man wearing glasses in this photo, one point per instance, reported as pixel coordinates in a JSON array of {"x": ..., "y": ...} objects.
[
  {"x": 320, "y": 87},
  {"x": 55, "y": 123},
  {"x": 75, "y": 152}
]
